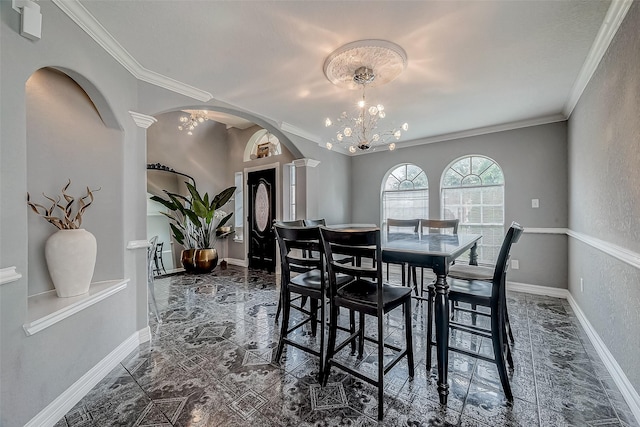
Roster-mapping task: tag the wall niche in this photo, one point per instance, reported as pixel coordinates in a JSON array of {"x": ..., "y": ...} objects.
[{"x": 67, "y": 138}]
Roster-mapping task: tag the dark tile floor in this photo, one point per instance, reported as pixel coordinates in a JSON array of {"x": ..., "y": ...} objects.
[{"x": 210, "y": 363}]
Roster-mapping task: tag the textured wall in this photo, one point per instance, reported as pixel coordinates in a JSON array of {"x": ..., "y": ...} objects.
[
  {"x": 66, "y": 139},
  {"x": 35, "y": 370},
  {"x": 533, "y": 160},
  {"x": 604, "y": 177}
]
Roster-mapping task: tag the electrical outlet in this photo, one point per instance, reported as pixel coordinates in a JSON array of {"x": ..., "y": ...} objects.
[
  {"x": 581, "y": 285},
  {"x": 535, "y": 203},
  {"x": 515, "y": 264}
]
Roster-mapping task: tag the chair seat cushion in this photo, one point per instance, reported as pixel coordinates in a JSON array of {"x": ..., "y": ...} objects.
[
  {"x": 471, "y": 272},
  {"x": 365, "y": 293},
  {"x": 311, "y": 280},
  {"x": 472, "y": 291}
]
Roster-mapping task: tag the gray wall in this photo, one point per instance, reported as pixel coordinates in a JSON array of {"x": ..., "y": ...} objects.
[
  {"x": 534, "y": 162},
  {"x": 65, "y": 138},
  {"x": 604, "y": 202},
  {"x": 35, "y": 370}
]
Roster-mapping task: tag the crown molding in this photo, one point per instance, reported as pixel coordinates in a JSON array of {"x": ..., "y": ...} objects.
[
  {"x": 299, "y": 163},
  {"x": 85, "y": 20},
  {"x": 554, "y": 118},
  {"x": 286, "y": 127},
  {"x": 612, "y": 20},
  {"x": 142, "y": 120}
]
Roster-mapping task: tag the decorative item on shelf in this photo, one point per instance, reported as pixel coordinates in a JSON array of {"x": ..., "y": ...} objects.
[
  {"x": 355, "y": 66},
  {"x": 71, "y": 251},
  {"x": 194, "y": 224},
  {"x": 190, "y": 122},
  {"x": 263, "y": 150}
]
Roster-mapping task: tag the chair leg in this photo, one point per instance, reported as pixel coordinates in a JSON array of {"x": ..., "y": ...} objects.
[
  {"x": 409, "y": 338},
  {"x": 352, "y": 330},
  {"x": 279, "y": 308},
  {"x": 314, "y": 316},
  {"x": 381, "y": 366},
  {"x": 286, "y": 301},
  {"x": 498, "y": 352},
  {"x": 361, "y": 337},
  {"x": 331, "y": 342},
  {"x": 474, "y": 316},
  {"x": 429, "y": 326},
  {"x": 322, "y": 348},
  {"x": 507, "y": 324},
  {"x": 152, "y": 292}
]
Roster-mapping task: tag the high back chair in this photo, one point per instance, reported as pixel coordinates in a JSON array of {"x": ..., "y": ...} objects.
[
  {"x": 292, "y": 223},
  {"x": 367, "y": 295},
  {"x": 314, "y": 222},
  {"x": 490, "y": 294},
  {"x": 303, "y": 274},
  {"x": 432, "y": 226},
  {"x": 151, "y": 276},
  {"x": 399, "y": 229}
]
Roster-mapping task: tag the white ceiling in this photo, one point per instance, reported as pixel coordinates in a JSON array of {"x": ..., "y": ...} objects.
[{"x": 471, "y": 64}]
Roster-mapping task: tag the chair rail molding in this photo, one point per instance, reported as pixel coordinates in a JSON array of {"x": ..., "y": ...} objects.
[
  {"x": 8, "y": 275},
  {"x": 625, "y": 255},
  {"x": 138, "y": 244},
  {"x": 545, "y": 230}
]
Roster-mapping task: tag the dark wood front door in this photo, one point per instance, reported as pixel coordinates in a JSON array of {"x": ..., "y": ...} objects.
[{"x": 262, "y": 210}]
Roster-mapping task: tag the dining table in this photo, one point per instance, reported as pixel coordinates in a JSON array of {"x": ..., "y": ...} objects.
[{"x": 437, "y": 252}]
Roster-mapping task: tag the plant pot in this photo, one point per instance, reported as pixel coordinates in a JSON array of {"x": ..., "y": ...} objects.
[
  {"x": 205, "y": 260},
  {"x": 71, "y": 258},
  {"x": 187, "y": 259}
]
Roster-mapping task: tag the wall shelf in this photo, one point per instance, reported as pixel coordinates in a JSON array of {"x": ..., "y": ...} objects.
[{"x": 46, "y": 309}]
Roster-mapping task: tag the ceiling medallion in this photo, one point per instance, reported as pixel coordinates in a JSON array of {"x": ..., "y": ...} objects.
[{"x": 357, "y": 65}]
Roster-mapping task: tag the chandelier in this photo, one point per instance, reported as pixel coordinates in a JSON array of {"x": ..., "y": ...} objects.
[
  {"x": 352, "y": 66},
  {"x": 190, "y": 122}
]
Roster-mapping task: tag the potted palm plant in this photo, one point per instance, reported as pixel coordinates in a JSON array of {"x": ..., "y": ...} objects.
[{"x": 194, "y": 221}]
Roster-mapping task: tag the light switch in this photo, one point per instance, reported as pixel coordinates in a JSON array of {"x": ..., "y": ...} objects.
[{"x": 535, "y": 203}]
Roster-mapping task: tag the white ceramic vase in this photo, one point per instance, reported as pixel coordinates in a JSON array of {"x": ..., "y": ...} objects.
[{"x": 71, "y": 257}]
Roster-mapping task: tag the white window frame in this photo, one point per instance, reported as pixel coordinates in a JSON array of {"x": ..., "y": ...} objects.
[
  {"x": 424, "y": 213},
  {"x": 497, "y": 228},
  {"x": 238, "y": 212}
]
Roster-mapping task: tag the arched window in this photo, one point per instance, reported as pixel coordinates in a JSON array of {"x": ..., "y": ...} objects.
[
  {"x": 405, "y": 194},
  {"x": 262, "y": 144},
  {"x": 473, "y": 192}
]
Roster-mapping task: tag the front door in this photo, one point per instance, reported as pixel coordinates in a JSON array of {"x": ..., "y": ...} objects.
[{"x": 262, "y": 210}]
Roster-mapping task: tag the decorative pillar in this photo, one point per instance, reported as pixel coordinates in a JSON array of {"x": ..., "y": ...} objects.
[{"x": 307, "y": 187}]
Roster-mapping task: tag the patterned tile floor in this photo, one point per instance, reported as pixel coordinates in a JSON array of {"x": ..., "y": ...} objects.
[{"x": 211, "y": 363}]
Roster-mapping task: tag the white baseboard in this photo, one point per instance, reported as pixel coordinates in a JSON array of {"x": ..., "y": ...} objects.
[
  {"x": 238, "y": 262},
  {"x": 628, "y": 392},
  {"x": 62, "y": 404},
  {"x": 537, "y": 290}
]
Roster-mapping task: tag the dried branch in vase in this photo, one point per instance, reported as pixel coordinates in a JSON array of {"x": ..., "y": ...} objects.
[{"x": 68, "y": 218}]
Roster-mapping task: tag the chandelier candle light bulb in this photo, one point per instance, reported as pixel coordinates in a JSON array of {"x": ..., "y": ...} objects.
[{"x": 352, "y": 66}]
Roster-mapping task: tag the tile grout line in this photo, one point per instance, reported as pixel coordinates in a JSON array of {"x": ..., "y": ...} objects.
[{"x": 533, "y": 363}]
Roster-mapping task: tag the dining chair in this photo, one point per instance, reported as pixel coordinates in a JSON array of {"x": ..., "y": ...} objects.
[
  {"x": 489, "y": 294},
  {"x": 314, "y": 222},
  {"x": 151, "y": 250},
  {"x": 302, "y": 273},
  {"x": 367, "y": 294},
  {"x": 292, "y": 223},
  {"x": 432, "y": 226},
  {"x": 401, "y": 228},
  {"x": 478, "y": 272}
]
